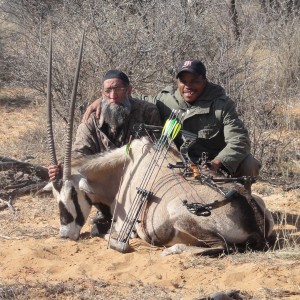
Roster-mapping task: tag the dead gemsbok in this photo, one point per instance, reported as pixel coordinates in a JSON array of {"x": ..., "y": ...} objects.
[{"x": 150, "y": 192}]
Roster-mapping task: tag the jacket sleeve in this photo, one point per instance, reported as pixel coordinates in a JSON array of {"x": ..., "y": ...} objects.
[
  {"x": 236, "y": 138},
  {"x": 86, "y": 141},
  {"x": 152, "y": 115}
]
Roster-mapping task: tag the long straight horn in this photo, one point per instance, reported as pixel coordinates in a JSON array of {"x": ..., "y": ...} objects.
[
  {"x": 67, "y": 160},
  {"x": 50, "y": 137}
]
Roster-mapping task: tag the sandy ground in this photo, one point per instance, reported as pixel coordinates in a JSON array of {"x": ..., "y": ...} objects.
[{"x": 36, "y": 264}]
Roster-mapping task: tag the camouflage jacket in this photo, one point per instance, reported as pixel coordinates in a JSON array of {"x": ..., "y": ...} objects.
[
  {"x": 213, "y": 118},
  {"x": 92, "y": 138}
]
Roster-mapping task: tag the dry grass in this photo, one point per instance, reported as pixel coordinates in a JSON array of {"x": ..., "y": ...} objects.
[{"x": 81, "y": 290}]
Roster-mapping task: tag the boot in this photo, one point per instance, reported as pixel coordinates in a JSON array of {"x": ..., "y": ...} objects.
[{"x": 102, "y": 220}]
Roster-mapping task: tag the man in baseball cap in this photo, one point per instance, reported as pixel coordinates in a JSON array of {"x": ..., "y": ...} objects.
[{"x": 191, "y": 75}]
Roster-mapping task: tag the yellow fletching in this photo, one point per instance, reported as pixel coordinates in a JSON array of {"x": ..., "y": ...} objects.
[
  {"x": 165, "y": 127},
  {"x": 176, "y": 130}
]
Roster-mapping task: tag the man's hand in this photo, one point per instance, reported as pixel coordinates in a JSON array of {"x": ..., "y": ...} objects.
[
  {"x": 54, "y": 171},
  {"x": 214, "y": 165},
  {"x": 95, "y": 106}
]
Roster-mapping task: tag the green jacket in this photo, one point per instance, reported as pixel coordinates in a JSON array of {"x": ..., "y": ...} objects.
[{"x": 214, "y": 119}]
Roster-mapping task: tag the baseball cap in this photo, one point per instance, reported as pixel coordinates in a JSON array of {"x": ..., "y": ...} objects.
[
  {"x": 193, "y": 66},
  {"x": 116, "y": 74}
]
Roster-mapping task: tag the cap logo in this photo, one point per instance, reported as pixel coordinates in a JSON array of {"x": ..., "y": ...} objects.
[{"x": 187, "y": 63}]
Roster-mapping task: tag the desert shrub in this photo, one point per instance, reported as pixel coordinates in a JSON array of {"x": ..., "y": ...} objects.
[{"x": 259, "y": 67}]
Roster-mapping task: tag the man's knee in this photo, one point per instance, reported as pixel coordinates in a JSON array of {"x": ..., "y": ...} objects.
[{"x": 250, "y": 166}]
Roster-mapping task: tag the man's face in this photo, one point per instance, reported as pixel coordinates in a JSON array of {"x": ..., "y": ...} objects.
[
  {"x": 190, "y": 86},
  {"x": 115, "y": 90},
  {"x": 115, "y": 107}
]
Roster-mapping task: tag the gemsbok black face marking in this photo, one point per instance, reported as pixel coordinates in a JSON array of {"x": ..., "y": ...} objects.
[{"x": 66, "y": 217}]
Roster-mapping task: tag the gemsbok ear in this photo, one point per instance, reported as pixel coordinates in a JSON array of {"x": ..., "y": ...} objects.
[
  {"x": 48, "y": 187},
  {"x": 85, "y": 186}
]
